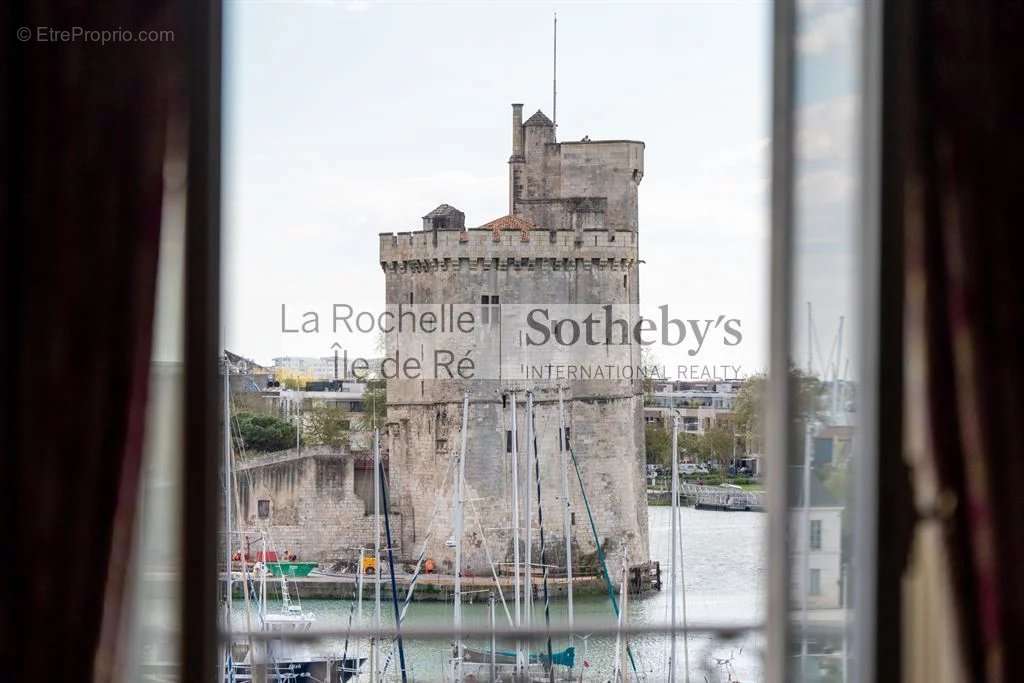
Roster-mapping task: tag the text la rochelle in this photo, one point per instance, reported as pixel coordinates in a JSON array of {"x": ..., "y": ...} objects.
[{"x": 345, "y": 318}]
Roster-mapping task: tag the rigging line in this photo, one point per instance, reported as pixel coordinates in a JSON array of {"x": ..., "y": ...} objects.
[
  {"x": 427, "y": 536},
  {"x": 833, "y": 363},
  {"x": 394, "y": 586},
  {"x": 682, "y": 584},
  {"x": 543, "y": 546},
  {"x": 490, "y": 561},
  {"x": 246, "y": 585},
  {"x": 433, "y": 519},
  {"x": 344, "y": 651},
  {"x": 417, "y": 572},
  {"x": 600, "y": 550},
  {"x": 817, "y": 344}
]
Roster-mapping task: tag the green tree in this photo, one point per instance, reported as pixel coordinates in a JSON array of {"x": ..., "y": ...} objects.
[
  {"x": 751, "y": 399},
  {"x": 718, "y": 447},
  {"x": 692, "y": 445},
  {"x": 290, "y": 379},
  {"x": 326, "y": 426},
  {"x": 657, "y": 445},
  {"x": 263, "y": 432},
  {"x": 748, "y": 409},
  {"x": 714, "y": 446}
]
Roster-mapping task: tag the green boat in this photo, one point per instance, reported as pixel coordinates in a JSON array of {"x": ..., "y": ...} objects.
[{"x": 291, "y": 568}]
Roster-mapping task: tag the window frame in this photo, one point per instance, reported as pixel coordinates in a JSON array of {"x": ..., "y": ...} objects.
[
  {"x": 778, "y": 628},
  {"x": 202, "y": 285},
  {"x": 199, "y": 646}
]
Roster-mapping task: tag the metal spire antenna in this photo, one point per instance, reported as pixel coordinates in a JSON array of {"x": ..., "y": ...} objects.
[{"x": 554, "y": 80}]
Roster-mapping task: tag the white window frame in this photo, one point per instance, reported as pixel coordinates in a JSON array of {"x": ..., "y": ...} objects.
[{"x": 781, "y": 309}]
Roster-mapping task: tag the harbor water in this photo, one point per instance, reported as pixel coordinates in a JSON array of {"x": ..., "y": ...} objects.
[{"x": 724, "y": 566}]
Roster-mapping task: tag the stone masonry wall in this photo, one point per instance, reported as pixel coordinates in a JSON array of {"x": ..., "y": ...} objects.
[
  {"x": 606, "y": 435},
  {"x": 314, "y": 509},
  {"x": 604, "y": 416}
]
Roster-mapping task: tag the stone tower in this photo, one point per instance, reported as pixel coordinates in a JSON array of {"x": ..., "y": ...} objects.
[{"x": 568, "y": 244}]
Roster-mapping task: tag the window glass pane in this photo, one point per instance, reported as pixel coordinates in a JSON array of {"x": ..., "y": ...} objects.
[
  {"x": 152, "y": 628},
  {"x": 824, "y": 358},
  {"x": 351, "y": 189}
]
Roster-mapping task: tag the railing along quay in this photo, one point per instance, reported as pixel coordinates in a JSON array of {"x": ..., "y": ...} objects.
[{"x": 706, "y": 497}]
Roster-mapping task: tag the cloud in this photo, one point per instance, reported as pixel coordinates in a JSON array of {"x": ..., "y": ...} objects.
[
  {"x": 825, "y": 27},
  {"x": 826, "y": 130}
]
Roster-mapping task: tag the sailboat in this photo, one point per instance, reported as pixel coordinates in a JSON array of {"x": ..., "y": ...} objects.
[
  {"x": 517, "y": 664},
  {"x": 280, "y": 660}
]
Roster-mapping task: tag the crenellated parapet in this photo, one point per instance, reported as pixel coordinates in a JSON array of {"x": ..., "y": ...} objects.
[{"x": 478, "y": 249}]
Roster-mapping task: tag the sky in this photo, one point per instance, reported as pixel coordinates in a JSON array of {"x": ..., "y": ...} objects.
[{"x": 345, "y": 120}]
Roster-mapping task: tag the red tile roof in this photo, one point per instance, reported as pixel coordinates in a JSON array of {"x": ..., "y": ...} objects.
[{"x": 510, "y": 222}]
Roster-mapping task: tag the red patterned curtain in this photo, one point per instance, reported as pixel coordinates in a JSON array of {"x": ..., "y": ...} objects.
[
  {"x": 87, "y": 116},
  {"x": 962, "y": 140}
]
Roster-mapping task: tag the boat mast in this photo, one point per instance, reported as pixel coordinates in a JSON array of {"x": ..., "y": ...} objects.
[
  {"x": 459, "y": 500},
  {"x": 674, "y": 561},
  {"x": 835, "y": 373},
  {"x": 624, "y": 615},
  {"x": 375, "y": 641},
  {"x": 242, "y": 552},
  {"x": 805, "y": 541},
  {"x": 359, "y": 599},
  {"x": 263, "y": 578},
  {"x": 515, "y": 527},
  {"x": 494, "y": 640},
  {"x": 618, "y": 668},
  {"x": 391, "y": 570},
  {"x": 227, "y": 493},
  {"x": 527, "y": 511},
  {"x": 540, "y": 526},
  {"x": 563, "y": 446},
  {"x": 359, "y": 584}
]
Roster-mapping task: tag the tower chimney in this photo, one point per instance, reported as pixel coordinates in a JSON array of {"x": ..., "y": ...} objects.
[
  {"x": 517, "y": 131},
  {"x": 518, "y": 158}
]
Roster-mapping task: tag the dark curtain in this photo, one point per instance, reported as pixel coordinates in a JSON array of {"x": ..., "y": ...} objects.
[
  {"x": 86, "y": 140},
  {"x": 961, "y": 139}
]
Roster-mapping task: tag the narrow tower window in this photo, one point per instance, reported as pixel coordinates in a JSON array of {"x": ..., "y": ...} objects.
[{"x": 489, "y": 309}]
